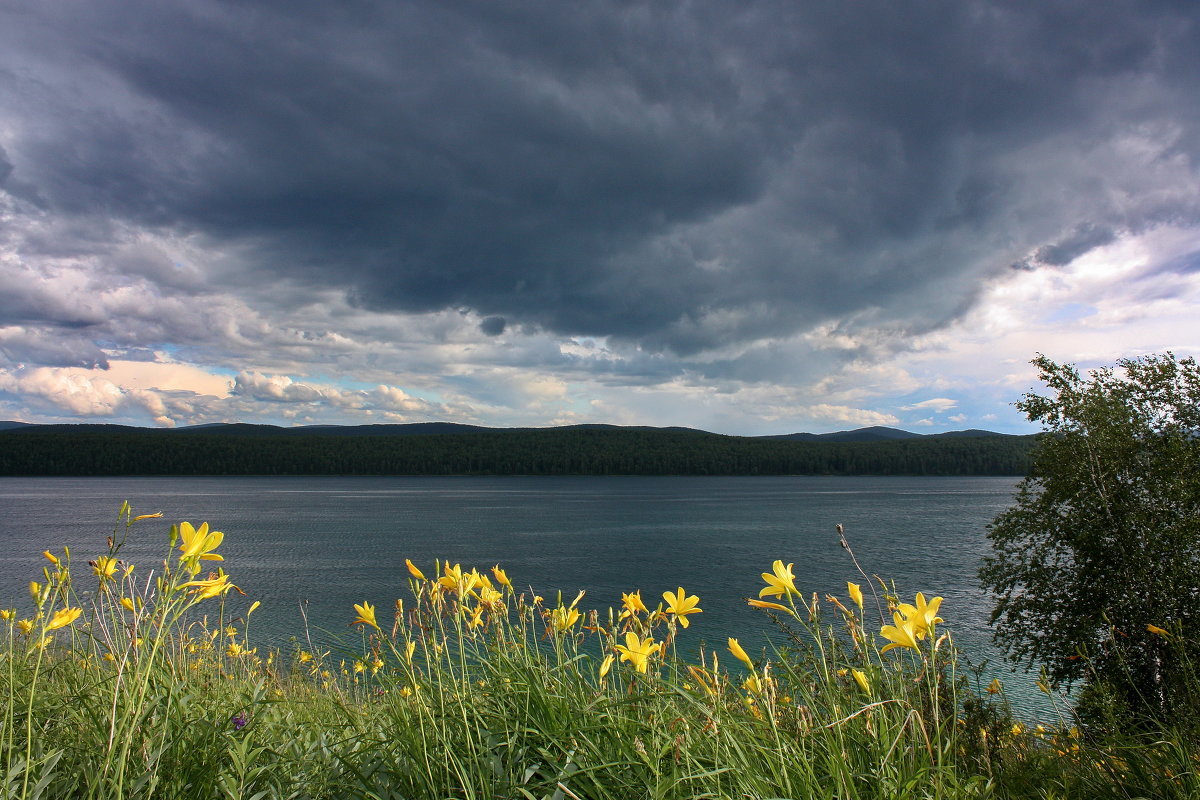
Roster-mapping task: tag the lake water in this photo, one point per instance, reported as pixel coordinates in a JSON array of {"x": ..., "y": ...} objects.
[{"x": 327, "y": 543}]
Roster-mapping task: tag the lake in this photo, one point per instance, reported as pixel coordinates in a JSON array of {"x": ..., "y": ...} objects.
[{"x": 326, "y": 543}]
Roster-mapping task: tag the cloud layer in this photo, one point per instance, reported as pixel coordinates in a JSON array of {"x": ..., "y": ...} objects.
[{"x": 548, "y": 212}]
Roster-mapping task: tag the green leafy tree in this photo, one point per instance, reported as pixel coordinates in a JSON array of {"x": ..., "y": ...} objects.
[{"x": 1096, "y": 568}]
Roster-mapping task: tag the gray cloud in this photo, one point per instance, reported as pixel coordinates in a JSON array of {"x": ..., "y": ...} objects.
[
  {"x": 678, "y": 177},
  {"x": 493, "y": 326}
]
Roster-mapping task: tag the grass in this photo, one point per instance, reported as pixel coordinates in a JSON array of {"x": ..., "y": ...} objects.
[{"x": 129, "y": 682}]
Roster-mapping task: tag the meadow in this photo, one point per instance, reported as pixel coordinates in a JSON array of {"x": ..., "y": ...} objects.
[{"x": 131, "y": 680}]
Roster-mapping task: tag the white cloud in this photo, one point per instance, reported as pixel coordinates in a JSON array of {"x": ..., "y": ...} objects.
[{"x": 938, "y": 404}]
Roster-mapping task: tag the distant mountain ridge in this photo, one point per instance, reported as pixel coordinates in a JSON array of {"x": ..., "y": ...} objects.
[
  {"x": 874, "y": 433},
  {"x": 452, "y": 449}
]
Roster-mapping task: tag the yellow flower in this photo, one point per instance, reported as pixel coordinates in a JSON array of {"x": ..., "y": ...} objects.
[
  {"x": 637, "y": 651},
  {"x": 994, "y": 686},
  {"x": 127, "y": 604},
  {"x": 855, "y": 594},
  {"x": 501, "y": 576},
  {"x": 476, "y": 620},
  {"x": 25, "y": 626},
  {"x": 235, "y": 650},
  {"x": 490, "y": 599},
  {"x": 1157, "y": 631},
  {"x": 409, "y": 649},
  {"x": 753, "y": 684},
  {"x": 902, "y": 634},
  {"x": 141, "y": 517},
  {"x": 923, "y": 615},
  {"x": 770, "y": 605},
  {"x": 359, "y": 667},
  {"x": 53, "y": 559},
  {"x": 8, "y": 614},
  {"x": 605, "y": 666},
  {"x": 197, "y": 544},
  {"x": 63, "y": 618},
  {"x": 860, "y": 678},
  {"x": 632, "y": 604},
  {"x": 104, "y": 567},
  {"x": 680, "y": 604},
  {"x": 457, "y": 581},
  {"x": 780, "y": 581},
  {"x": 412, "y": 570},
  {"x": 35, "y": 590},
  {"x": 563, "y": 619},
  {"x": 212, "y": 587},
  {"x": 366, "y": 615},
  {"x": 735, "y": 647}
]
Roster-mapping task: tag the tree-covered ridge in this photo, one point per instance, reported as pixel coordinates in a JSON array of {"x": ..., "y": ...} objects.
[{"x": 552, "y": 451}]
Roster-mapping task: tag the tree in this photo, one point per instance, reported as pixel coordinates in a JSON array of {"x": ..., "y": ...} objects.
[{"x": 1096, "y": 568}]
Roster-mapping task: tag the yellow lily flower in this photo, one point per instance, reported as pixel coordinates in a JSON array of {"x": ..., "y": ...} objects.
[
  {"x": 490, "y": 599},
  {"x": 735, "y": 647},
  {"x": 412, "y": 570},
  {"x": 994, "y": 686},
  {"x": 63, "y": 618},
  {"x": 923, "y": 615},
  {"x": 25, "y": 626},
  {"x": 476, "y": 620},
  {"x": 563, "y": 619},
  {"x": 212, "y": 587},
  {"x": 1157, "y": 631},
  {"x": 631, "y": 604},
  {"x": 605, "y": 666},
  {"x": 197, "y": 544},
  {"x": 104, "y": 567},
  {"x": 127, "y": 604},
  {"x": 902, "y": 634},
  {"x": 501, "y": 576},
  {"x": 860, "y": 678},
  {"x": 855, "y": 594},
  {"x": 637, "y": 651},
  {"x": 53, "y": 559},
  {"x": 768, "y": 604},
  {"x": 780, "y": 580},
  {"x": 8, "y": 614},
  {"x": 458, "y": 581},
  {"x": 680, "y": 604},
  {"x": 481, "y": 581},
  {"x": 366, "y": 615}
]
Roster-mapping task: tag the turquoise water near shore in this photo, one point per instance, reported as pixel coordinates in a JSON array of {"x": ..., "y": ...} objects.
[{"x": 308, "y": 548}]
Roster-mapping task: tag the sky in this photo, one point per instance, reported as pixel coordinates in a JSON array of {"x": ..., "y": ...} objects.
[{"x": 746, "y": 217}]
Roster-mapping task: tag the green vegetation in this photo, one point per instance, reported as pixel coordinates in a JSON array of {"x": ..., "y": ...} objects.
[
  {"x": 555, "y": 451},
  {"x": 138, "y": 681},
  {"x": 1095, "y": 566}
]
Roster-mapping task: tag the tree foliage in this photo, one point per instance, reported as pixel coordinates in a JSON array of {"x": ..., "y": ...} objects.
[{"x": 1096, "y": 565}]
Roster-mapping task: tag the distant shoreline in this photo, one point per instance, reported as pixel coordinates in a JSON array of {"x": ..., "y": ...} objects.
[{"x": 245, "y": 450}]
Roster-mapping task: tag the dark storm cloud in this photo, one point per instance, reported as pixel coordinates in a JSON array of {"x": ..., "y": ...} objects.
[
  {"x": 493, "y": 326},
  {"x": 677, "y": 175}
]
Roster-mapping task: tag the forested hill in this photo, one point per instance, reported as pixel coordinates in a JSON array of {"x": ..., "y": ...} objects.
[{"x": 578, "y": 450}]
